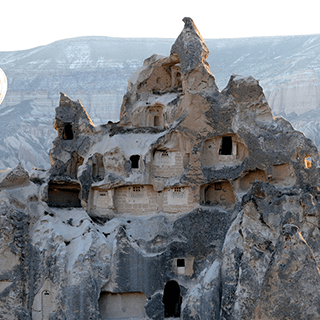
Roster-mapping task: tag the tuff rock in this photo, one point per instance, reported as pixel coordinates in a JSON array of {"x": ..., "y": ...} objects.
[{"x": 197, "y": 204}]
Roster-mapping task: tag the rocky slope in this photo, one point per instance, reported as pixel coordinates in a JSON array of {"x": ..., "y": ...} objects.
[{"x": 96, "y": 69}]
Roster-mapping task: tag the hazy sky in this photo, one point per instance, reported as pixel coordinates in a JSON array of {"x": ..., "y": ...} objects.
[{"x": 31, "y": 23}]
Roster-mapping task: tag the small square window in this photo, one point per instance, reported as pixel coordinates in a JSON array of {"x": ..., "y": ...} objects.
[
  {"x": 136, "y": 189},
  {"x": 181, "y": 263}
]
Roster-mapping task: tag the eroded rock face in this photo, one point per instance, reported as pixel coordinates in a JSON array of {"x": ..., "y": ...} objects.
[{"x": 197, "y": 204}]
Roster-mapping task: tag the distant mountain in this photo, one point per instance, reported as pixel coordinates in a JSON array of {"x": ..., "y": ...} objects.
[{"x": 96, "y": 70}]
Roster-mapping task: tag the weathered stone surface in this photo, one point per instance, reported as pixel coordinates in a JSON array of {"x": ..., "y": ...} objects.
[
  {"x": 96, "y": 69},
  {"x": 18, "y": 177},
  {"x": 293, "y": 270},
  {"x": 197, "y": 204}
]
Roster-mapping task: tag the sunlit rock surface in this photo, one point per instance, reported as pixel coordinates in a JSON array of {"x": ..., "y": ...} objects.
[{"x": 197, "y": 204}]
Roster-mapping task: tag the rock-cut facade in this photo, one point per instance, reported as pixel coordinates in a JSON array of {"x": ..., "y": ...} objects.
[{"x": 197, "y": 204}]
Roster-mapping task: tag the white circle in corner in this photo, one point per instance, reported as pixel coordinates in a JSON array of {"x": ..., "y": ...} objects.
[{"x": 3, "y": 85}]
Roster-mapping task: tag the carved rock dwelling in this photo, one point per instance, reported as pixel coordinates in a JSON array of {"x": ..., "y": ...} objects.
[{"x": 197, "y": 204}]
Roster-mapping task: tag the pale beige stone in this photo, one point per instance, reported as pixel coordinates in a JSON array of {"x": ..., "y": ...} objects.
[{"x": 122, "y": 305}]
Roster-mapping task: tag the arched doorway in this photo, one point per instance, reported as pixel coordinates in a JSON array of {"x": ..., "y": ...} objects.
[{"x": 172, "y": 300}]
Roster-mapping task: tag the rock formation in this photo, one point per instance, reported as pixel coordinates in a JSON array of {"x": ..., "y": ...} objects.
[
  {"x": 96, "y": 69},
  {"x": 197, "y": 204}
]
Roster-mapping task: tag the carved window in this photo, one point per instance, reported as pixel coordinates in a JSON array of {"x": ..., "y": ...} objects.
[
  {"x": 155, "y": 117},
  {"x": 164, "y": 157},
  {"x": 135, "y": 159},
  {"x": 226, "y": 146},
  {"x": 177, "y": 192},
  {"x": 181, "y": 263},
  {"x": 137, "y": 192},
  {"x": 308, "y": 162},
  {"x": 68, "y": 132}
]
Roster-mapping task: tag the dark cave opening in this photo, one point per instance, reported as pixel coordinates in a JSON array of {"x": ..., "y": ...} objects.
[
  {"x": 172, "y": 300},
  {"x": 135, "y": 159},
  {"x": 226, "y": 146}
]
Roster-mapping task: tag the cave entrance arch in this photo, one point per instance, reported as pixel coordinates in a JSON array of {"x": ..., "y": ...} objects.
[{"x": 172, "y": 299}]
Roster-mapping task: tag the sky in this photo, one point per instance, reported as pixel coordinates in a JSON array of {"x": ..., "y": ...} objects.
[{"x": 31, "y": 23}]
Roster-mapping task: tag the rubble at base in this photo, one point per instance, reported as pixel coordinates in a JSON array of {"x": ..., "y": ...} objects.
[{"x": 197, "y": 204}]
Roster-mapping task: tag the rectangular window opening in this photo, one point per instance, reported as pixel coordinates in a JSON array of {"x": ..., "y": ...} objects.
[
  {"x": 181, "y": 263},
  {"x": 226, "y": 146}
]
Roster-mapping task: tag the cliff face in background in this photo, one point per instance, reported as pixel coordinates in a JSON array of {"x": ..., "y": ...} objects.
[{"x": 96, "y": 70}]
